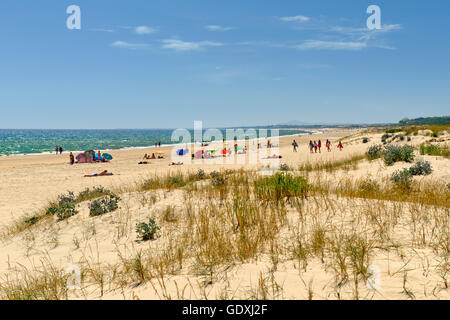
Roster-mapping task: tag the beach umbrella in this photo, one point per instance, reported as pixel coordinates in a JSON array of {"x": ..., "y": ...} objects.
[
  {"x": 160, "y": 152},
  {"x": 107, "y": 156}
]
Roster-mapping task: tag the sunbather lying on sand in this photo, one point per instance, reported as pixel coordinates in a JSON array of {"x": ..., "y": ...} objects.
[
  {"x": 176, "y": 164},
  {"x": 103, "y": 173},
  {"x": 144, "y": 162},
  {"x": 274, "y": 157}
]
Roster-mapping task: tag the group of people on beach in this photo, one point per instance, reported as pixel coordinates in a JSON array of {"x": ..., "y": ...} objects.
[
  {"x": 315, "y": 146},
  {"x": 147, "y": 157},
  {"x": 158, "y": 144},
  {"x": 95, "y": 158},
  {"x": 59, "y": 149}
]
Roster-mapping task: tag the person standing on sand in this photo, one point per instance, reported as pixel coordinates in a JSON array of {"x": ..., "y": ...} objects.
[
  {"x": 294, "y": 145},
  {"x": 60, "y": 150},
  {"x": 319, "y": 145},
  {"x": 72, "y": 159},
  {"x": 328, "y": 144},
  {"x": 311, "y": 146},
  {"x": 57, "y": 149},
  {"x": 340, "y": 146},
  {"x": 315, "y": 146}
]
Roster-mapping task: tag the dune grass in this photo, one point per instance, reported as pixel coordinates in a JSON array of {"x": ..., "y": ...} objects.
[{"x": 231, "y": 218}]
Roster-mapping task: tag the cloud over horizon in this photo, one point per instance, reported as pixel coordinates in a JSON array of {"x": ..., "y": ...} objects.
[
  {"x": 331, "y": 45},
  {"x": 218, "y": 28},
  {"x": 128, "y": 45},
  {"x": 179, "y": 45},
  {"x": 295, "y": 19},
  {"x": 142, "y": 30}
]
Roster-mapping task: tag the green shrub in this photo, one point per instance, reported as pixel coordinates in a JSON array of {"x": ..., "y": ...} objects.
[
  {"x": 374, "y": 152},
  {"x": 421, "y": 168},
  {"x": 385, "y": 137},
  {"x": 95, "y": 192},
  {"x": 147, "y": 231},
  {"x": 64, "y": 208},
  {"x": 32, "y": 220},
  {"x": 176, "y": 181},
  {"x": 201, "y": 174},
  {"x": 104, "y": 205},
  {"x": 393, "y": 154},
  {"x": 217, "y": 179},
  {"x": 281, "y": 186},
  {"x": 284, "y": 167},
  {"x": 402, "y": 178},
  {"x": 393, "y": 130},
  {"x": 431, "y": 150}
]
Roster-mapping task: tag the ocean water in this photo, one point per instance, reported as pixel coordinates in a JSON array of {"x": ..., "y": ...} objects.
[{"x": 18, "y": 142}]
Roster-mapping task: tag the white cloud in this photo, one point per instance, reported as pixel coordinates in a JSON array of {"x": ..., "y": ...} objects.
[
  {"x": 295, "y": 19},
  {"x": 141, "y": 30},
  {"x": 218, "y": 28},
  {"x": 365, "y": 33},
  {"x": 390, "y": 27},
  {"x": 102, "y": 30},
  {"x": 128, "y": 45},
  {"x": 179, "y": 45},
  {"x": 331, "y": 45}
]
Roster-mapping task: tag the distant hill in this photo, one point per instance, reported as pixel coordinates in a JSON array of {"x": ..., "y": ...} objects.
[{"x": 426, "y": 121}]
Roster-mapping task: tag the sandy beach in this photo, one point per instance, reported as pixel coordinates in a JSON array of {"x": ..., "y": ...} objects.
[
  {"x": 101, "y": 245},
  {"x": 32, "y": 181}
]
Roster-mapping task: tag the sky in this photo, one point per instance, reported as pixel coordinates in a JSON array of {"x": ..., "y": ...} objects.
[{"x": 166, "y": 63}]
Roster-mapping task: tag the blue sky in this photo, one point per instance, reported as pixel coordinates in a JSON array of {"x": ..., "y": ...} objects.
[{"x": 166, "y": 63}]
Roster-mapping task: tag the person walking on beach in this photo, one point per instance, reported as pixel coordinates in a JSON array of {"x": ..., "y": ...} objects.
[
  {"x": 315, "y": 146},
  {"x": 340, "y": 146},
  {"x": 319, "y": 145},
  {"x": 72, "y": 159},
  {"x": 294, "y": 145},
  {"x": 57, "y": 149},
  {"x": 60, "y": 150},
  {"x": 328, "y": 144},
  {"x": 311, "y": 146}
]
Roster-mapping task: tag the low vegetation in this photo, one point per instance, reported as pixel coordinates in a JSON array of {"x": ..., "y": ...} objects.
[
  {"x": 147, "y": 230},
  {"x": 206, "y": 226},
  {"x": 104, "y": 205},
  {"x": 435, "y": 150},
  {"x": 393, "y": 154}
]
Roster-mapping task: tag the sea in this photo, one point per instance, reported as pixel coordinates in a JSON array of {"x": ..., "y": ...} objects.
[{"x": 44, "y": 141}]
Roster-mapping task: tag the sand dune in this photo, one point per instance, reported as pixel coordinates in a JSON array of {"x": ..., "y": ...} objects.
[{"x": 409, "y": 266}]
